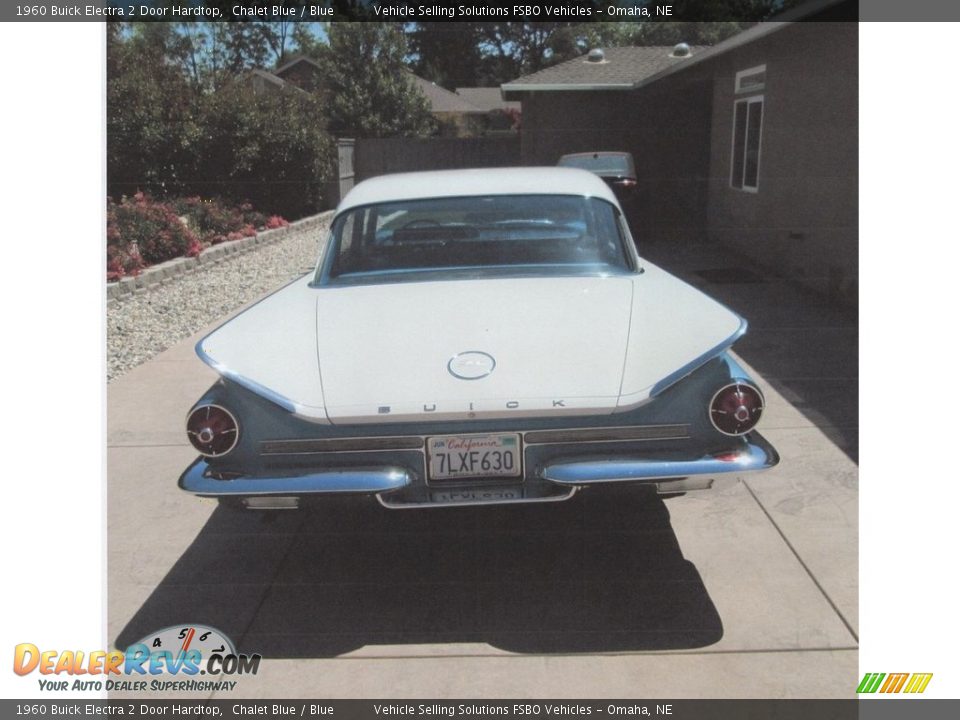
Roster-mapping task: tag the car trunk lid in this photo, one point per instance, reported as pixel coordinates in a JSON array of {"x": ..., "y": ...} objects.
[{"x": 468, "y": 349}]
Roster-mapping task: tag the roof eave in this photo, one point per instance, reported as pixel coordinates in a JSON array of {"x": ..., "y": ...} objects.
[
  {"x": 296, "y": 61},
  {"x": 511, "y": 90}
]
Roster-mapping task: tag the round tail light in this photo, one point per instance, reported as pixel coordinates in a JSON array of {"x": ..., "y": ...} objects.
[
  {"x": 736, "y": 408},
  {"x": 212, "y": 430}
]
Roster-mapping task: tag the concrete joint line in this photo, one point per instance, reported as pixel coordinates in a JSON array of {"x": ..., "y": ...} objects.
[{"x": 806, "y": 569}]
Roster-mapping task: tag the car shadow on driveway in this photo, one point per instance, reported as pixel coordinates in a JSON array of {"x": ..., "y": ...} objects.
[
  {"x": 803, "y": 343},
  {"x": 602, "y": 572}
]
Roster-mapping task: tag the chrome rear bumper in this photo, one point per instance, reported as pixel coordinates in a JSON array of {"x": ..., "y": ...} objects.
[
  {"x": 199, "y": 480},
  {"x": 669, "y": 475},
  {"x": 755, "y": 455}
]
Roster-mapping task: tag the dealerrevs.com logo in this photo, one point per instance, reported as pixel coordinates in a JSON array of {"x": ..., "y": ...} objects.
[
  {"x": 894, "y": 683},
  {"x": 168, "y": 660}
]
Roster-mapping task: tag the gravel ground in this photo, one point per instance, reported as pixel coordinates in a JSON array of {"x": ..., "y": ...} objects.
[{"x": 140, "y": 327}]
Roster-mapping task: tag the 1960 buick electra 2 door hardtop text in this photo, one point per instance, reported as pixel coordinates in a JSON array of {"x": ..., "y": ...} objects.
[{"x": 471, "y": 337}]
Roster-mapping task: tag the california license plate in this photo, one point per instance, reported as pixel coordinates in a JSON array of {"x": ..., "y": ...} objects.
[{"x": 451, "y": 457}]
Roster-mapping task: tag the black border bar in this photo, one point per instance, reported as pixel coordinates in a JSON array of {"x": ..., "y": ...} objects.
[
  {"x": 870, "y": 709},
  {"x": 469, "y": 10}
]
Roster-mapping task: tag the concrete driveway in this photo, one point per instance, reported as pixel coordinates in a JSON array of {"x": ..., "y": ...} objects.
[{"x": 748, "y": 592}]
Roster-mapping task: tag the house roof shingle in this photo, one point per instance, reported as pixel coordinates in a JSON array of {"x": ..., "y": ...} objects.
[
  {"x": 269, "y": 77},
  {"x": 621, "y": 68},
  {"x": 442, "y": 100},
  {"x": 487, "y": 98}
]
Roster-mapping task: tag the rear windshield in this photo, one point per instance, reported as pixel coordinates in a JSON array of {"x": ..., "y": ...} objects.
[
  {"x": 619, "y": 165},
  {"x": 488, "y": 236}
]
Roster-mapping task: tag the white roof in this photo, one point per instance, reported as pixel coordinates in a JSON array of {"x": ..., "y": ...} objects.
[{"x": 486, "y": 181}]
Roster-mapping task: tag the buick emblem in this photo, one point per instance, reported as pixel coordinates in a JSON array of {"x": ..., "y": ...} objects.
[{"x": 471, "y": 365}]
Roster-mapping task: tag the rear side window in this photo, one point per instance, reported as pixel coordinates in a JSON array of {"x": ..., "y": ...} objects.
[{"x": 619, "y": 165}]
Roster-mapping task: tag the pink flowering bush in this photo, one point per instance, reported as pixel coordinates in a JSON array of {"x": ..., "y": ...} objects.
[
  {"x": 209, "y": 218},
  {"x": 251, "y": 217},
  {"x": 142, "y": 231}
]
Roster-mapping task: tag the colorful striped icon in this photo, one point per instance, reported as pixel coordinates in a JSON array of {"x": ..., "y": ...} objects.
[{"x": 894, "y": 683}]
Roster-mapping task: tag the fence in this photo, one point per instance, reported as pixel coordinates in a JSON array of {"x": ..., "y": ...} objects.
[{"x": 369, "y": 157}]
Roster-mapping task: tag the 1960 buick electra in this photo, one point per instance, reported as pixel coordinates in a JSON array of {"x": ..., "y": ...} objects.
[{"x": 474, "y": 337}]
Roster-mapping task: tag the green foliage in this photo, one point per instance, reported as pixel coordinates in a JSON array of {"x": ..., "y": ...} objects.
[
  {"x": 269, "y": 148},
  {"x": 182, "y": 121},
  {"x": 370, "y": 92},
  {"x": 517, "y": 48},
  {"x": 693, "y": 33},
  {"x": 215, "y": 220},
  {"x": 446, "y": 53},
  {"x": 151, "y": 128}
]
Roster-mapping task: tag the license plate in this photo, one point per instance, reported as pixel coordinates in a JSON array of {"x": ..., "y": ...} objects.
[
  {"x": 451, "y": 457},
  {"x": 504, "y": 494}
]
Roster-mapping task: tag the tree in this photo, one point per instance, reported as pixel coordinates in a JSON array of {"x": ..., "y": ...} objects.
[
  {"x": 446, "y": 53},
  {"x": 151, "y": 110},
  {"x": 694, "y": 33},
  {"x": 512, "y": 49},
  {"x": 305, "y": 41},
  {"x": 245, "y": 45},
  {"x": 179, "y": 122},
  {"x": 369, "y": 86},
  {"x": 271, "y": 149}
]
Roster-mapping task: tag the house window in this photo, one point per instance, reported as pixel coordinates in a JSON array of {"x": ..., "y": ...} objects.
[
  {"x": 751, "y": 80},
  {"x": 745, "y": 159}
]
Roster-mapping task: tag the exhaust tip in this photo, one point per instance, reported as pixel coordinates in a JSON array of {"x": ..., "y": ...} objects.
[{"x": 271, "y": 503}]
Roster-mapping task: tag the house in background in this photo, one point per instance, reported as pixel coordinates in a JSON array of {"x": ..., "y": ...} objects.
[
  {"x": 456, "y": 116},
  {"x": 502, "y": 116},
  {"x": 488, "y": 99},
  {"x": 476, "y": 111},
  {"x": 302, "y": 71},
  {"x": 262, "y": 81},
  {"x": 751, "y": 143}
]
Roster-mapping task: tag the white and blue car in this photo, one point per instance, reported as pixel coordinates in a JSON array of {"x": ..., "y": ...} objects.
[{"x": 474, "y": 337}]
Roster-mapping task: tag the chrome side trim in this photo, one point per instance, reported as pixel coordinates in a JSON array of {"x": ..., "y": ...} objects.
[
  {"x": 607, "y": 434},
  {"x": 697, "y": 362},
  {"x": 372, "y": 443},
  {"x": 754, "y": 455},
  {"x": 196, "y": 479},
  {"x": 390, "y": 505},
  {"x": 349, "y": 444}
]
